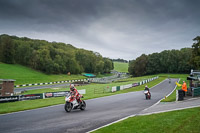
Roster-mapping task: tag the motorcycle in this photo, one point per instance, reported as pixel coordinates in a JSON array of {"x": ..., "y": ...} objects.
[
  {"x": 147, "y": 94},
  {"x": 71, "y": 103},
  {"x": 169, "y": 81}
]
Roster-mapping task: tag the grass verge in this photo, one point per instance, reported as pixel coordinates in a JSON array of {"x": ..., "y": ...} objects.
[{"x": 182, "y": 121}]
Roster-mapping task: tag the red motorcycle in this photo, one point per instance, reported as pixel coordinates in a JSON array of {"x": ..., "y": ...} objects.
[
  {"x": 72, "y": 103},
  {"x": 147, "y": 94}
]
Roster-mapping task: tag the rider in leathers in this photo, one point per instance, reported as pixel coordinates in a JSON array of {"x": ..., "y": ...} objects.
[
  {"x": 146, "y": 88},
  {"x": 75, "y": 93}
]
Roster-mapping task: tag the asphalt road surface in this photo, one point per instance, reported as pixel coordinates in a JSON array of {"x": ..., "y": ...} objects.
[
  {"x": 99, "y": 111},
  {"x": 41, "y": 87}
]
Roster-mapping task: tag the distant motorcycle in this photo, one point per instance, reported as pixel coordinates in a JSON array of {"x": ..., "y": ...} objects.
[
  {"x": 71, "y": 103},
  {"x": 147, "y": 94},
  {"x": 169, "y": 80}
]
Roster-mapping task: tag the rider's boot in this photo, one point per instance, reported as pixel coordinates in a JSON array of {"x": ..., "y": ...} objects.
[{"x": 79, "y": 101}]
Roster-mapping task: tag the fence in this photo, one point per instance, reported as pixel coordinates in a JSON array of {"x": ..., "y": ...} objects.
[
  {"x": 122, "y": 87},
  {"x": 48, "y": 83},
  {"x": 36, "y": 96},
  {"x": 94, "y": 80},
  {"x": 196, "y": 92},
  {"x": 118, "y": 88},
  {"x": 102, "y": 90},
  {"x": 108, "y": 79}
]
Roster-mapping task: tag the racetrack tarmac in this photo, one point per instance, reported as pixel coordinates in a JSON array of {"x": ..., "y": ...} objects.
[
  {"x": 41, "y": 87},
  {"x": 99, "y": 112}
]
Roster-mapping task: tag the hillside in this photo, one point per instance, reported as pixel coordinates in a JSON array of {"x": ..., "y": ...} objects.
[
  {"x": 121, "y": 67},
  {"x": 25, "y": 75},
  {"x": 51, "y": 57}
]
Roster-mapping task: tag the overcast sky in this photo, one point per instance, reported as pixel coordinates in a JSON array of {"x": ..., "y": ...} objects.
[{"x": 114, "y": 28}]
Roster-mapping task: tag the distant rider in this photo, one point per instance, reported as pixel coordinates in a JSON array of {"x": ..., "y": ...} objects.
[
  {"x": 169, "y": 80},
  {"x": 147, "y": 89},
  {"x": 75, "y": 93}
]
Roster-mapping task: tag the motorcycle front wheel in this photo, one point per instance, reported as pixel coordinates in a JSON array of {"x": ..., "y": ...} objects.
[{"x": 68, "y": 107}]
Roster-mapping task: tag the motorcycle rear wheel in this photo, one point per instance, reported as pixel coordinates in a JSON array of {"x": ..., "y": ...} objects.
[{"x": 83, "y": 105}]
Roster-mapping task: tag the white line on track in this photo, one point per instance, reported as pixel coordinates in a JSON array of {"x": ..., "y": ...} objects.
[{"x": 111, "y": 123}]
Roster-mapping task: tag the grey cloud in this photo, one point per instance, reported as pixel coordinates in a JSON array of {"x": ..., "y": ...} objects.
[{"x": 114, "y": 28}]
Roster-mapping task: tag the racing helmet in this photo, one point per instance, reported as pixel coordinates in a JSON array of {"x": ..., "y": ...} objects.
[{"x": 72, "y": 87}]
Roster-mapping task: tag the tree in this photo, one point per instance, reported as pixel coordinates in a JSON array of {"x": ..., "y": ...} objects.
[
  {"x": 108, "y": 65},
  {"x": 153, "y": 65},
  {"x": 172, "y": 61},
  {"x": 184, "y": 65},
  {"x": 164, "y": 61},
  {"x": 139, "y": 65},
  {"x": 7, "y": 50},
  {"x": 131, "y": 67},
  {"x": 196, "y": 53},
  {"x": 99, "y": 67}
]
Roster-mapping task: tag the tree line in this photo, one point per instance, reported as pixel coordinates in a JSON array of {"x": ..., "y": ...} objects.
[
  {"x": 168, "y": 61},
  {"x": 120, "y": 60},
  {"x": 51, "y": 57}
]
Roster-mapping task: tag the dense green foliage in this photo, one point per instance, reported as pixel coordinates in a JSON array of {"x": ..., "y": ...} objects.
[
  {"x": 167, "y": 61},
  {"x": 120, "y": 60},
  {"x": 51, "y": 57},
  {"x": 120, "y": 66},
  {"x": 196, "y": 53}
]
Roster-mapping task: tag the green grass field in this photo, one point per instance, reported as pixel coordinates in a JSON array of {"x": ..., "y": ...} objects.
[
  {"x": 25, "y": 75},
  {"x": 92, "y": 91},
  {"x": 182, "y": 121},
  {"x": 121, "y": 67}
]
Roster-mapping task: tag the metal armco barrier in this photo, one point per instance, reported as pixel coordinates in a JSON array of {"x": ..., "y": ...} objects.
[
  {"x": 60, "y": 94},
  {"x": 118, "y": 88},
  {"x": 36, "y": 96},
  {"x": 135, "y": 84},
  {"x": 55, "y": 94},
  {"x": 195, "y": 92},
  {"x": 31, "y": 97},
  {"x": 56, "y": 82},
  {"x": 9, "y": 99}
]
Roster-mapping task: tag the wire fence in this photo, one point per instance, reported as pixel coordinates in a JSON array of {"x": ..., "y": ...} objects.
[
  {"x": 106, "y": 89},
  {"x": 109, "y": 79}
]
